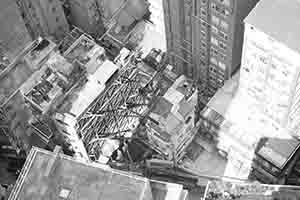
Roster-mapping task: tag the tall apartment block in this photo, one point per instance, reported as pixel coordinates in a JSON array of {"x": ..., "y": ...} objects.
[
  {"x": 13, "y": 33},
  {"x": 271, "y": 61},
  {"x": 205, "y": 38},
  {"x": 44, "y": 17}
]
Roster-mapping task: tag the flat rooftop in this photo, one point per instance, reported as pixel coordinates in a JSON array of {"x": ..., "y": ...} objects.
[
  {"x": 75, "y": 179},
  {"x": 279, "y": 19}
]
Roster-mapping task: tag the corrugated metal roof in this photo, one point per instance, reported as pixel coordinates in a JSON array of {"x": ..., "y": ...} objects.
[{"x": 279, "y": 19}]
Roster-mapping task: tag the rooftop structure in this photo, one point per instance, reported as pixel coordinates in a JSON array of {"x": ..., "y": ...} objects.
[
  {"x": 171, "y": 127},
  {"x": 51, "y": 175},
  {"x": 118, "y": 107},
  {"x": 53, "y": 80},
  {"x": 86, "y": 52},
  {"x": 39, "y": 53}
]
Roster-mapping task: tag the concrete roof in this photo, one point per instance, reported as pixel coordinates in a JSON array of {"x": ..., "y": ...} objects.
[
  {"x": 85, "y": 180},
  {"x": 278, "y": 150},
  {"x": 78, "y": 179},
  {"x": 279, "y": 19}
]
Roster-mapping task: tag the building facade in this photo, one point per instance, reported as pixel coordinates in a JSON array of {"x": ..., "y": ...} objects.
[
  {"x": 43, "y": 18},
  {"x": 204, "y": 38},
  {"x": 87, "y": 16},
  {"x": 270, "y": 65}
]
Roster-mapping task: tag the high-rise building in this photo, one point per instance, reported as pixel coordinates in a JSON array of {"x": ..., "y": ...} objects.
[
  {"x": 44, "y": 18},
  {"x": 257, "y": 121},
  {"x": 205, "y": 38},
  {"x": 13, "y": 34}
]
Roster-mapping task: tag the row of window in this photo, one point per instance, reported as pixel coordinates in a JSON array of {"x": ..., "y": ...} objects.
[
  {"x": 218, "y": 43},
  {"x": 214, "y": 52},
  {"x": 216, "y": 21},
  {"x": 217, "y": 71},
  {"x": 220, "y": 64}
]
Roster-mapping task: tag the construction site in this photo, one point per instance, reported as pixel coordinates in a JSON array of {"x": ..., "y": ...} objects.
[{"x": 91, "y": 108}]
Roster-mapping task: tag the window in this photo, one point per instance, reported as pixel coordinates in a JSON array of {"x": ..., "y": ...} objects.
[
  {"x": 203, "y": 1},
  {"x": 64, "y": 193},
  {"x": 222, "y": 56},
  {"x": 215, "y": 20},
  {"x": 214, "y": 29},
  {"x": 203, "y": 44},
  {"x": 222, "y": 46},
  {"x": 203, "y": 12},
  {"x": 214, "y": 41},
  {"x": 213, "y": 52},
  {"x": 215, "y": 7},
  {"x": 188, "y": 119},
  {"x": 222, "y": 66},
  {"x": 223, "y": 35},
  {"x": 203, "y": 33},
  {"x": 225, "y": 2},
  {"x": 224, "y": 25},
  {"x": 213, "y": 60}
]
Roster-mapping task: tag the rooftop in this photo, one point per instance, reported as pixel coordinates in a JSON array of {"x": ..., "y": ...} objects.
[
  {"x": 278, "y": 151},
  {"x": 287, "y": 27},
  {"x": 87, "y": 53},
  {"x": 43, "y": 47},
  {"x": 219, "y": 190},
  {"x": 174, "y": 112},
  {"x": 83, "y": 96},
  {"x": 48, "y": 83},
  {"x": 51, "y": 175}
]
